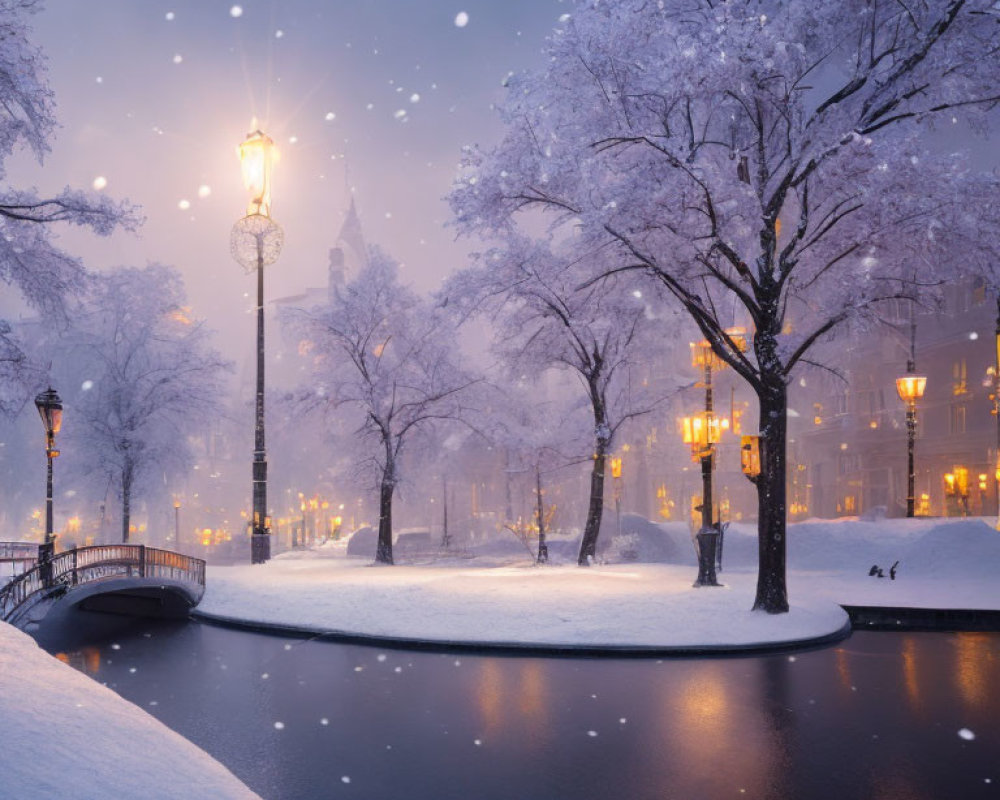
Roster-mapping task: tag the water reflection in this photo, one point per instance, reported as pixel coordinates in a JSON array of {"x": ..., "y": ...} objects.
[{"x": 876, "y": 717}]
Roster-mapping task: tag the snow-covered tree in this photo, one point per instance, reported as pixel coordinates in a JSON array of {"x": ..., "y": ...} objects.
[
  {"x": 540, "y": 438},
  {"x": 383, "y": 353},
  {"x": 41, "y": 273},
  {"x": 766, "y": 157},
  {"x": 546, "y": 319},
  {"x": 140, "y": 377}
]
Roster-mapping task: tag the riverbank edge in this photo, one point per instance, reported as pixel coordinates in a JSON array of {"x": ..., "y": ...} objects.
[
  {"x": 524, "y": 648},
  {"x": 909, "y": 618}
]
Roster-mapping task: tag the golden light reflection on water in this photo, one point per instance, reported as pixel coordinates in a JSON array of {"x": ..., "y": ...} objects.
[
  {"x": 87, "y": 659},
  {"x": 708, "y": 721},
  {"x": 843, "y": 668},
  {"x": 489, "y": 695},
  {"x": 910, "y": 682},
  {"x": 972, "y": 667},
  {"x": 523, "y": 703}
]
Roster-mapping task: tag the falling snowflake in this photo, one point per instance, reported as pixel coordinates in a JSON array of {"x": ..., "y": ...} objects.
[
  {"x": 345, "y": 779},
  {"x": 169, "y": 16},
  {"x": 400, "y": 113},
  {"x": 99, "y": 79},
  {"x": 414, "y": 98},
  {"x": 330, "y": 116},
  {"x": 87, "y": 386},
  {"x": 591, "y": 734},
  {"x": 178, "y": 58},
  {"x": 114, "y": 646},
  {"x": 461, "y": 19},
  {"x": 279, "y": 726},
  {"x": 184, "y": 205},
  {"x": 204, "y": 190},
  {"x": 279, "y": 34},
  {"x": 324, "y": 721},
  {"x": 380, "y": 657},
  {"x": 264, "y": 676},
  {"x": 966, "y": 734},
  {"x": 236, "y": 11}
]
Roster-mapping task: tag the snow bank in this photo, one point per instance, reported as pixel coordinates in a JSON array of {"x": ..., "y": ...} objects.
[
  {"x": 65, "y": 735},
  {"x": 494, "y": 594},
  {"x": 640, "y": 605}
]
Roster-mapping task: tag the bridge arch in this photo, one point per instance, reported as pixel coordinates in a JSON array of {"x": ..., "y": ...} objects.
[{"x": 121, "y": 578}]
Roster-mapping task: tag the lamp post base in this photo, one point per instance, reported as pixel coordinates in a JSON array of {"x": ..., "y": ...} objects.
[
  {"x": 46, "y": 551},
  {"x": 260, "y": 548},
  {"x": 708, "y": 542}
]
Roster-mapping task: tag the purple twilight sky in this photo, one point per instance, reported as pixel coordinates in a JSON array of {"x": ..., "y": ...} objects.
[{"x": 153, "y": 99}]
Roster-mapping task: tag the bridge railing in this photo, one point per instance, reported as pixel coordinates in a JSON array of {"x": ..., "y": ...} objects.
[
  {"x": 19, "y": 551},
  {"x": 98, "y": 562}
]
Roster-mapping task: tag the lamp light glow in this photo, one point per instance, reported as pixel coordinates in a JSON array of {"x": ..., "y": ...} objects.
[{"x": 257, "y": 155}]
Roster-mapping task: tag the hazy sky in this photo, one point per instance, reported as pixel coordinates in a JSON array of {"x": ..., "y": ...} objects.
[{"x": 378, "y": 96}]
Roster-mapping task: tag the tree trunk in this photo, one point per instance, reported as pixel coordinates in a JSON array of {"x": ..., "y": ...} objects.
[
  {"x": 772, "y": 593},
  {"x": 588, "y": 547},
  {"x": 383, "y": 553},
  {"x": 126, "y": 501},
  {"x": 543, "y": 548}
]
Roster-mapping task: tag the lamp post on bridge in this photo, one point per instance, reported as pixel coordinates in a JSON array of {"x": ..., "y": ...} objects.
[
  {"x": 255, "y": 243},
  {"x": 50, "y": 410}
]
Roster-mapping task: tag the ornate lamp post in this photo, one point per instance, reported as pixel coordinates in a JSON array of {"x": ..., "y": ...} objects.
[
  {"x": 910, "y": 388},
  {"x": 255, "y": 243},
  {"x": 702, "y": 434},
  {"x": 177, "y": 524},
  {"x": 616, "y": 475},
  {"x": 50, "y": 410}
]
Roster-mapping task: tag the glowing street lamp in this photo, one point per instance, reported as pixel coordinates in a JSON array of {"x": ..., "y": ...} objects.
[
  {"x": 616, "y": 475},
  {"x": 750, "y": 457},
  {"x": 50, "y": 410},
  {"x": 702, "y": 434},
  {"x": 255, "y": 243},
  {"x": 910, "y": 388}
]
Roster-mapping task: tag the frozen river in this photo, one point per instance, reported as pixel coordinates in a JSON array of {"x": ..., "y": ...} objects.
[{"x": 880, "y": 715}]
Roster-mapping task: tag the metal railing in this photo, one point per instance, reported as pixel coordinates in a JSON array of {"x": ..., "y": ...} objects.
[
  {"x": 99, "y": 562},
  {"x": 22, "y": 552}
]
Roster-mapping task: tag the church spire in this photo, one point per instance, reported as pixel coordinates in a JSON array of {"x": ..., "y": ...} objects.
[{"x": 350, "y": 254}]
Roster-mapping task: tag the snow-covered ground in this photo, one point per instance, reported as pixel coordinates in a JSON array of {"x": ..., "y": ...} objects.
[
  {"x": 65, "y": 735},
  {"x": 498, "y": 596}
]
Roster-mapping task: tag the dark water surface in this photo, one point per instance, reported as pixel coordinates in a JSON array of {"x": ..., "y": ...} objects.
[{"x": 913, "y": 716}]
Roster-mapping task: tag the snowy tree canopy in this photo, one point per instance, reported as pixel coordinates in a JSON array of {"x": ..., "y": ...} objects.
[
  {"x": 546, "y": 316},
  {"x": 381, "y": 351},
  {"x": 139, "y": 378},
  {"x": 42, "y": 274},
  {"x": 675, "y": 136},
  {"x": 766, "y": 157}
]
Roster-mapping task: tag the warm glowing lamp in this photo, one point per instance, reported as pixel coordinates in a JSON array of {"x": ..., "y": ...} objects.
[
  {"x": 911, "y": 388},
  {"x": 257, "y": 154},
  {"x": 750, "y": 456}
]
